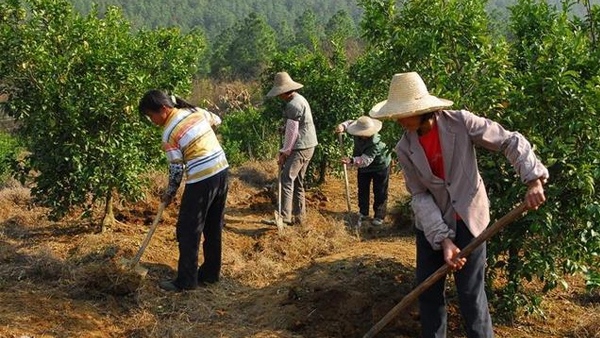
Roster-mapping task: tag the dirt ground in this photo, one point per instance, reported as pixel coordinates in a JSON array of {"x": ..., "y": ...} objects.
[{"x": 64, "y": 279}]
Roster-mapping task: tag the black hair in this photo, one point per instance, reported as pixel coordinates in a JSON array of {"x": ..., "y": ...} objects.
[
  {"x": 154, "y": 99},
  {"x": 424, "y": 118},
  {"x": 427, "y": 116}
]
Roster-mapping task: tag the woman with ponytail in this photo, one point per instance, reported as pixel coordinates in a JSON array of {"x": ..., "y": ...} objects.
[{"x": 192, "y": 148}]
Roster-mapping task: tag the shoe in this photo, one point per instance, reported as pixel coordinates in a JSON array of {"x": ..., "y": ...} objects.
[
  {"x": 269, "y": 222},
  {"x": 298, "y": 220},
  {"x": 363, "y": 218},
  {"x": 169, "y": 285},
  {"x": 204, "y": 280},
  {"x": 377, "y": 221},
  {"x": 205, "y": 283},
  {"x": 273, "y": 222}
]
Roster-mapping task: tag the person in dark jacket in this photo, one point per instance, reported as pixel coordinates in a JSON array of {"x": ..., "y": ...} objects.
[{"x": 372, "y": 158}]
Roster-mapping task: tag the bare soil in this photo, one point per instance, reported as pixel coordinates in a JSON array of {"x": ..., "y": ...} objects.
[{"x": 323, "y": 279}]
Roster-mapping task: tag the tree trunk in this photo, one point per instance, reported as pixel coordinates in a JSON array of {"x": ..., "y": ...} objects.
[
  {"x": 108, "y": 219},
  {"x": 322, "y": 170}
]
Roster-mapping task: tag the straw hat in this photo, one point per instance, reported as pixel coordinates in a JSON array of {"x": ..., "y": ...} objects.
[
  {"x": 408, "y": 96},
  {"x": 364, "y": 126},
  {"x": 283, "y": 83}
]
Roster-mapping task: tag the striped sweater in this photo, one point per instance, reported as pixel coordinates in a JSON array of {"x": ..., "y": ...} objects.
[{"x": 188, "y": 139}]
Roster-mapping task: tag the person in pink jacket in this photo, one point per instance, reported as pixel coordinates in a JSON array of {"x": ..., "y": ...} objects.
[{"x": 448, "y": 196}]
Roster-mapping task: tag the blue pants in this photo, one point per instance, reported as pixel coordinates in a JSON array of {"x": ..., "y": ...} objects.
[
  {"x": 201, "y": 213},
  {"x": 470, "y": 286}
]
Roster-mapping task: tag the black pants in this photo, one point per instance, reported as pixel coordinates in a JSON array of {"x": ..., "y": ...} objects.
[
  {"x": 201, "y": 213},
  {"x": 470, "y": 286},
  {"x": 380, "y": 181}
]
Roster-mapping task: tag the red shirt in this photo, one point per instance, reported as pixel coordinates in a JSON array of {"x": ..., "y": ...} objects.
[{"x": 433, "y": 150}]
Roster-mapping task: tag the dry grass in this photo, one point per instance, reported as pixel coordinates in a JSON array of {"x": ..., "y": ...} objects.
[
  {"x": 318, "y": 280},
  {"x": 588, "y": 325},
  {"x": 222, "y": 98},
  {"x": 275, "y": 254}
]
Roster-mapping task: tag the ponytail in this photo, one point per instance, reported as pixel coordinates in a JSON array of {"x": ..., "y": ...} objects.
[
  {"x": 154, "y": 99},
  {"x": 180, "y": 103}
]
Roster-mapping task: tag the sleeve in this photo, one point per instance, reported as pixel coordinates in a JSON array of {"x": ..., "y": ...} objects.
[
  {"x": 362, "y": 161},
  {"x": 176, "y": 166},
  {"x": 212, "y": 118},
  {"x": 427, "y": 214},
  {"x": 367, "y": 157},
  {"x": 345, "y": 124},
  {"x": 291, "y": 135},
  {"x": 175, "y": 177},
  {"x": 515, "y": 147},
  {"x": 174, "y": 154}
]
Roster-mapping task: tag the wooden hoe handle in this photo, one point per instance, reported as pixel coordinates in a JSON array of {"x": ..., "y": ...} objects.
[
  {"x": 140, "y": 252},
  {"x": 488, "y": 233},
  {"x": 347, "y": 185}
]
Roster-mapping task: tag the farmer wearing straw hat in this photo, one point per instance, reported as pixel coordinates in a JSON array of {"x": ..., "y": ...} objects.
[
  {"x": 372, "y": 158},
  {"x": 298, "y": 147},
  {"x": 449, "y": 199}
]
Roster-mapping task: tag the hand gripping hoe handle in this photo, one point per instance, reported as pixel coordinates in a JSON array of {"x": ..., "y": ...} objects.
[{"x": 442, "y": 271}]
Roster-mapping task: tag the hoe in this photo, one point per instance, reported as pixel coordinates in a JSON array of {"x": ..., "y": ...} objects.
[
  {"x": 133, "y": 264},
  {"x": 441, "y": 272}
]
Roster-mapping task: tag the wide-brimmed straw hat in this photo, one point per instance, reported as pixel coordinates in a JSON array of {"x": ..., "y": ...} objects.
[
  {"x": 364, "y": 126},
  {"x": 283, "y": 83},
  {"x": 408, "y": 96}
]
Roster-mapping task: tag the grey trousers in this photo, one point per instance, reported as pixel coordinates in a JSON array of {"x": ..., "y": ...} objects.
[
  {"x": 293, "y": 206},
  {"x": 470, "y": 286}
]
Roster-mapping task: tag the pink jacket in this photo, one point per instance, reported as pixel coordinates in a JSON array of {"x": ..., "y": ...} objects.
[{"x": 436, "y": 202}]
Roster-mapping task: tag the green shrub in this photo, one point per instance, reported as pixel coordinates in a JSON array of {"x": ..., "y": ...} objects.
[
  {"x": 246, "y": 134},
  {"x": 9, "y": 149}
]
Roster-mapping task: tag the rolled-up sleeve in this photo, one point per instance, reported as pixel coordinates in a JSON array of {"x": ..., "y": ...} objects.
[{"x": 520, "y": 154}]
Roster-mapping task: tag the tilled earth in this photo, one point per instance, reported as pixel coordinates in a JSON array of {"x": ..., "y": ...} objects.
[{"x": 324, "y": 279}]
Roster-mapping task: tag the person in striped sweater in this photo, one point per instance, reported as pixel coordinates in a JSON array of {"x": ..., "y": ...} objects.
[{"x": 192, "y": 148}]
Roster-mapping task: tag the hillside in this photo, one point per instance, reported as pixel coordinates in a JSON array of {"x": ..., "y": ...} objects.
[
  {"x": 213, "y": 16},
  {"x": 62, "y": 279}
]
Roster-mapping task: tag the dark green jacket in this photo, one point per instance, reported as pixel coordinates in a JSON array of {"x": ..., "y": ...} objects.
[{"x": 372, "y": 147}]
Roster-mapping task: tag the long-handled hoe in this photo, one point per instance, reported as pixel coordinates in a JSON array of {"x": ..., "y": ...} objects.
[
  {"x": 133, "y": 264},
  {"x": 442, "y": 271},
  {"x": 347, "y": 185},
  {"x": 278, "y": 219},
  {"x": 277, "y": 213}
]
